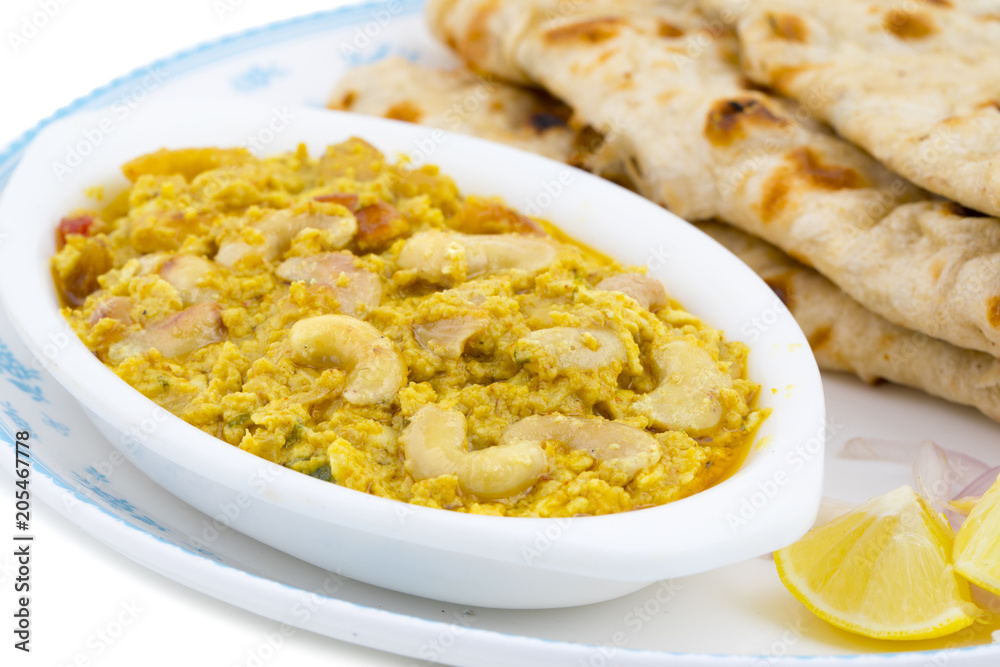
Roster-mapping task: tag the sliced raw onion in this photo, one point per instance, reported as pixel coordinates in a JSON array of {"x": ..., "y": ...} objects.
[
  {"x": 984, "y": 599},
  {"x": 938, "y": 472},
  {"x": 875, "y": 449},
  {"x": 980, "y": 485},
  {"x": 933, "y": 473}
]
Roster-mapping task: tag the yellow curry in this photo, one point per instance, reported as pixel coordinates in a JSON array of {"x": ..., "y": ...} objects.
[{"x": 363, "y": 323}]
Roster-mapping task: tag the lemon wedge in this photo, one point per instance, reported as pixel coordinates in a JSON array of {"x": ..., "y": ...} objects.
[
  {"x": 882, "y": 570},
  {"x": 977, "y": 545}
]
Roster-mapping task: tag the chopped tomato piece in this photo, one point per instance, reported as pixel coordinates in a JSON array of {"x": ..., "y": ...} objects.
[
  {"x": 346, "y": 199},
  {"x": 378, "y": 225},
  {"x": 78, "y": 225},
  {"x": 488, "y": 216}
]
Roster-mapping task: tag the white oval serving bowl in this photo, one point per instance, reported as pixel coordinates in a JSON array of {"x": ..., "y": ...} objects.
[{"x": 476, "y": 560}]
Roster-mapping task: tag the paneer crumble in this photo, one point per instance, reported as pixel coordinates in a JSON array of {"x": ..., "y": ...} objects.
[{"x": 363, "y": 323}]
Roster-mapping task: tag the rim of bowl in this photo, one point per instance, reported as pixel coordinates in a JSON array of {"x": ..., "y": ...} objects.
[{"x": 27, "y": 294}]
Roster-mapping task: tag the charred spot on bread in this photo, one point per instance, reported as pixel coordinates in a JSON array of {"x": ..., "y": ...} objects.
[
  {"x": 954, "y": 208},
  {"x": 993, "y": 312},
  {"x": 828, "y": 177},
  {"x": 819, "y": 338},
  {"x": 788, "y": 27},
  {"x": 669, "y": 30},
  {"x": 937, "y": 268},
  {"x": 475, "y": 46},
  {"x": 908, "y": 25},
  {"x": 803, "y": 165},
  {"x": 775, "y": 196},
  {"x": 782, "y": 287},
  {"x": 728, "y": 120},
  {"x": 405, "y": 110},
  {"x": 749, "y": 84},
  {"x": 586, "y": 143},
  {"x": 547, "y": 112},
  {"x": 781, "y": 77},
  {"x": 592, "y": 31},
  {"x": 348, "y": 100},
  {"x": 545, "y": 120}
]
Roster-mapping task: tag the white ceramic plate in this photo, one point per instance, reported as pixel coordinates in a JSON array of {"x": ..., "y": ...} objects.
[
  {"x": 488, "y": 561},
  {"x": 739, "y": 615}
]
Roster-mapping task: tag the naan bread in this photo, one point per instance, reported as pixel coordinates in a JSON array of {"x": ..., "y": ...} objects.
[
  {"x": 461, "y": 101},
  {"x": 916, "y": 84},
  {"x": 844, "y": 335},
  {"x": 660, "y": 81}
]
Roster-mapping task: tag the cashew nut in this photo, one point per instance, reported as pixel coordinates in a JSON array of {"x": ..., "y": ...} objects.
[
  {"x": 447, "y": 337},
  {"x": 175, "y": 334},
  {"x": 357, "y": 290},
  {"x": 279, "y": 228},
  {"x": 184, "y": 272},
  {"x": 559, "y": 349},
  {"x": 687, "y": 397},
  {"x": 115, "y": 308},
  {"x": 447, "y": 258},
  {"x": 622, "y": 447},
  {"x": 434, "y": 444},
  {"x": 375, "y": 370},
  {"x": 648, "y": 292}
]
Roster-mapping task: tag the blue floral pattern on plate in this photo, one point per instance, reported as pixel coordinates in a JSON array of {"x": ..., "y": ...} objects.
[
  {"x": 69, "y": 453},
  {"x": 258, "y": 77}
]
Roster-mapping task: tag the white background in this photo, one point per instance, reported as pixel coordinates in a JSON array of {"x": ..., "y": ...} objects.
[{"x": 83, "y": 588}]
